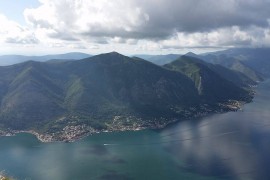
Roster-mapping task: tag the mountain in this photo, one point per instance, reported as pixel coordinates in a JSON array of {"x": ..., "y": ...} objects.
[
  {"x": 233, "y": 73},
  {"x": 191, "y": 54},
  {"x": 160, "y": 59},
  {"x": 234, "y": 64},
  {"x": 253, "y": 62},
  {"x": 14, "y": 59},
  {"x": 62, "y": 101},
  {"x": 256, "y": 58},
  {"x": 213, "y": 82}
]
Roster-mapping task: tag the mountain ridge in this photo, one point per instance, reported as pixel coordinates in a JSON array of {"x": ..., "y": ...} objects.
[
  {"x": 209, "y": 80},
  {"x": 107, "y": 92},
  {"x": 252, "y": 62},
  {"x": 6, "y": 60}
]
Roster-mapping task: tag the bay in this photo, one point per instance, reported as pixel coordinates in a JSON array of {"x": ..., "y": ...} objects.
[{"x": 232, "y": 145}]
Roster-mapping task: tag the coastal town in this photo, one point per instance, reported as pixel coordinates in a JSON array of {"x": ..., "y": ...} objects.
[{"x": 74, "y": 132}]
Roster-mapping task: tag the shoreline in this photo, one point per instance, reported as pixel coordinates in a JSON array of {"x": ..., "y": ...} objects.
[{"x": 73, "y": 133}]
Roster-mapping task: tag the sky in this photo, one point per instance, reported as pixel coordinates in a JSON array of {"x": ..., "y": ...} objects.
[{"x": 38, "y": 27}]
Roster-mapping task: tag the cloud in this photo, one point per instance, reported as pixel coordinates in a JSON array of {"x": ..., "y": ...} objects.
[
  {"x": 170, "y": 23},
  {"x": 31, "y": 39},
  {"x": 13, "y": 33},
  {"x": 82, "y": 18},
  {"x": 221, "y": 37},
  {"x": 206, "y": 15}
]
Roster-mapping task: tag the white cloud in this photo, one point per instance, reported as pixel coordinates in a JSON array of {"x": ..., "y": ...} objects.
[
  {"x": 75, "y": 19},
  {"x": 149, "y": 46},
  {"x": 152, "y": 25},
  {"x": 223, "y": 37},
  {"x": 12, "y": 32}
]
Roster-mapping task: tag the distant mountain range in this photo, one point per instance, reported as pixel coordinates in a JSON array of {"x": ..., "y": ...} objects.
[
  {"x": 160, "y": 59},
  {"x": 252, "y": 62},
  {"x": 68, "y": 99},
  {"x": 14, "y": 59}
]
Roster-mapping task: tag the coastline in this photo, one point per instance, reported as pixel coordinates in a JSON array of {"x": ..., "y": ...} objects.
[{"x": 73, "y": 133}]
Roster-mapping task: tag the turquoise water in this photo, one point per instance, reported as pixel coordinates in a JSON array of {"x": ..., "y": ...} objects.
[{"x": 233, "y": 145}]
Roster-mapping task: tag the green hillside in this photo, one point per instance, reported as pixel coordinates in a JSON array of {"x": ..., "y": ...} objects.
[
  {"x": 110, "y": 91},
  {"x": 214, "y": 83}
]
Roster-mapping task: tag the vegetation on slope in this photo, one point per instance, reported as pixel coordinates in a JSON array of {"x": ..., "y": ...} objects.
[
  {"x": 214, "y": 83},
  {"x": 108, "y": 92}
]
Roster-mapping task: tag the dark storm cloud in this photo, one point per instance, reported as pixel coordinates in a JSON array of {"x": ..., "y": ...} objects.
[
  {"x": 204, "y": 15},
  {"x": 167, "y": 17}
]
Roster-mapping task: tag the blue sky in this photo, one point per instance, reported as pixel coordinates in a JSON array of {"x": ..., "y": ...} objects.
[
  {"x": 36, "y": 27},
  {"x": 14, "y": 8}
]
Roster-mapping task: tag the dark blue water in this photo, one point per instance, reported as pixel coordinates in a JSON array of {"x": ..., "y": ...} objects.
[{"x": 233, "y": 145}]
